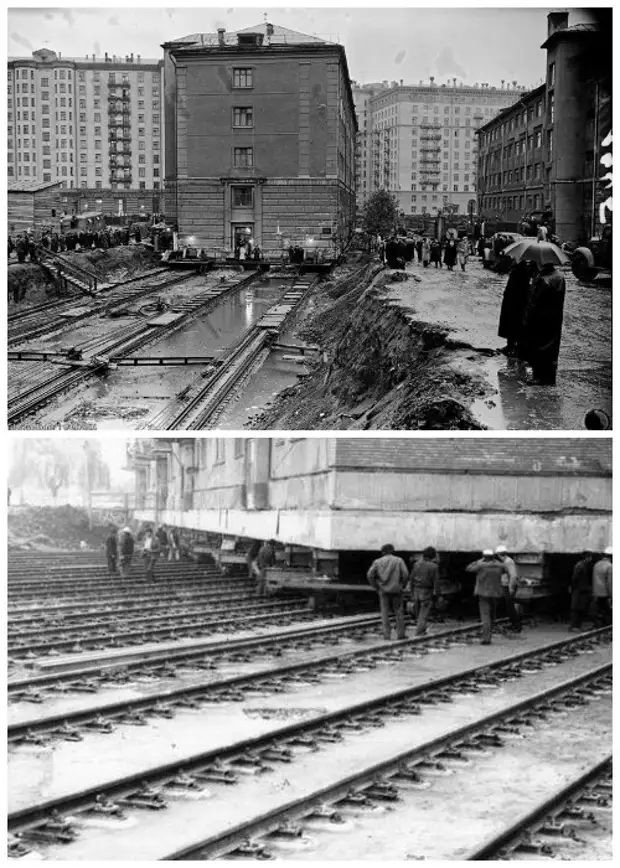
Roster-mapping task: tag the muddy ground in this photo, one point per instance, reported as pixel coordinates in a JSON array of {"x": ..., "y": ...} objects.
[{"x": 423, "y": 354}]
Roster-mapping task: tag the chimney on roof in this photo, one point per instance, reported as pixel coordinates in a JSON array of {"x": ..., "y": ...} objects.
[
  {"x": 220, "y": 36},
  {"x": 138, "y": 58},
  {"x": 401, "y": 82},
  {"x": 131, "y": 57},
  {"x": 93, "y": 58},
  {"x": 105, "y": 57},
  {"x": 556, "y": 21}
]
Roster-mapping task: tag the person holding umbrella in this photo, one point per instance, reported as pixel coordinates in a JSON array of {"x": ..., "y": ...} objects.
[{"x": 513, "y": 307}]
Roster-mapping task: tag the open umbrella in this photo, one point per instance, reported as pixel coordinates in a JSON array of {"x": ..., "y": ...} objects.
[{"x": 541, "y": 252}]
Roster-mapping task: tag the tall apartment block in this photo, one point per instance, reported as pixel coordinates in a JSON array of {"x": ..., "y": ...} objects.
[
  {"x": 418, "y": 141},
  {"x": 92, "y": 124},
  {"x": 260, "y": 137}
]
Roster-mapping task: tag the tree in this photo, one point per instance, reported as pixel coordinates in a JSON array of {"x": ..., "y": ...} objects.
[{"x": 380, "y": 214}]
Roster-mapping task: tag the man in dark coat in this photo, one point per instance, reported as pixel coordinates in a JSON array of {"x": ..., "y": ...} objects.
[
  {"x": 436, "y": 254},
  {"x": 266, "y": 557},
  {"x": 126, "y": 549},
  {"x": 542, "y": 327},
  {"x": 388, "y": 575},
  {"x": 449, "y": 256},
  {"x": 391, "y": 252},
  {"x": 513, "y": 307},
  {"x": 111, "y": 550},
  {"x": 488, "y": 588},
  {"x": 424, "y": 579},
  {"x": 581, "y": 589}
]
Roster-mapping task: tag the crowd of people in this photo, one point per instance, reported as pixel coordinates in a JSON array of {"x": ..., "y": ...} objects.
[
  {"x": 120, "y": 547},
  {"x": 397, "y": 250},
  {"x": 496, "y": 586}
]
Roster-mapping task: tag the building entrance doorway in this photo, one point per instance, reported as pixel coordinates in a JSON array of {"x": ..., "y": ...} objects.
[{"x": 242, "y": 240}]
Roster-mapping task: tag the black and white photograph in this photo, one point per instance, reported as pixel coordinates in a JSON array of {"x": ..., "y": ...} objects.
[
  {"x": 309, "y": 218},
  {"x": 309, "y": 648}
]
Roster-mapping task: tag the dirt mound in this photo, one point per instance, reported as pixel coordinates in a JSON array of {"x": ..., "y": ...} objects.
[
  {"x": 28, "y": 284},
  {"x": 47, "y": 528},
  {"x": 384, "y": 370},
  {"x": 115, "y": 263}
]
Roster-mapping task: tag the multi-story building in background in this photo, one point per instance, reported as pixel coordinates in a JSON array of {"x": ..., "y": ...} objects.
[
  {"x": 419, "y": 142},
  {"x": 92, "y": 124},
  {"x": 260, "y": 138},
  {"x": 542, "y": 154}
]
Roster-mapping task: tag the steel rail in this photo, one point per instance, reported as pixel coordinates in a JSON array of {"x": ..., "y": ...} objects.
[
  {"x": 232, "y": 688},
  {"x": 140, "y": 335},
  {"x": 67, "y": 594},
  {"x": 383, "y": 775},
  {"x": 350, "y": 626},
  {"x": 200, "y": 627},
  {"x": 275, "y": 743},
  {"x": 499, "y": 846}
]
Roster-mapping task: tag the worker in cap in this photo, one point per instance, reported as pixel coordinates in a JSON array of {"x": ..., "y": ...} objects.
[
  {"x": 581, "y": 589},
  {"x": 111, "y": 549},
  {"x": 510, "y": 586},
  {"x": 126, "y": 546},
  {"x": 602, "y": 589},
  {"x": 488, "y": 588}
]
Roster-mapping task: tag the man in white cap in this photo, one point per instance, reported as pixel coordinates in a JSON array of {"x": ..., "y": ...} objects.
[
  {"x": 510, "y": 586},
  {"x": 488, "y": 588},
  {"x": 601, "y": 589}
]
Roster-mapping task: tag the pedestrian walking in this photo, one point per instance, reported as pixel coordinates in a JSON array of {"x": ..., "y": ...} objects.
[
  {"x": 542, "y": 233},
  {"x": 581, "y": 589},
  {"x": 510, "y": 586},
  {"x": 111, "y": 549},
  {"x": 436, "y": 253},
  {"x": 449, "y": 255},
  {"x": 126, "y": 548},
  {"x": 602, "y": 589},
  {"x": 514, "y": 303},
  {"x": 426, "y": 252},
  {"x": 388, "y": 575},
  {"x": 150, "y": 552},
  {"x": 265, "y": 558},
  {"x": 542, "y": 325},
  {"x": 424, "y": 587},
  {"x": 174, "y": 545},
  {"x": 162, "y": 536},
  {"x": 462, "y": 252},
  {"x": 488, "y": 589},
  {"x": 251, "y": 558}
]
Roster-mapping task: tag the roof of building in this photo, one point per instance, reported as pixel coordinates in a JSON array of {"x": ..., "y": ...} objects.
[
  {"x": 536, "y": 456},
  {"x": 31, "y": 186},
  {"x": 505, "y": 112},
  {"x": 570, "y": 31},
  {"x": 280, "y": 36}
]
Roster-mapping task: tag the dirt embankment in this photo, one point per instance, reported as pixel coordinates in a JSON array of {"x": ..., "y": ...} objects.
[
  {"x": 380, "y": 368},
  {"x": 47, "y": 528}
]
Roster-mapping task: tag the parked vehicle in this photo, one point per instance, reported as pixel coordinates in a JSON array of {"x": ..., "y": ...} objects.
[{"x": 589, "y": 260}]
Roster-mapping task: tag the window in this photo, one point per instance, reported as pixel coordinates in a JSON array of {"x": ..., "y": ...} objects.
[
  {"x": 97, "y": 118},
  {"x": 551, "y": 106},
  {"x": 142, "y": 173},
  {"x": 243, "y": 117},
  {"x": 141, "y": 158},
  {"x": 98, "y": 171},
  {"x": 243, "y": 157},
  {"x": 539, "y": 109},
  {"x": 243, "y": 77},
  {"x": 537, "y": 138},
  {"x": 551, "y": 74},
  {"x": 84, "y": 170},
  {"x": 550, "y": 141},
  {"x": 455, "y": 188},
  {"x": 242, "y": 197},
  {"x": 142, "y": 146}
]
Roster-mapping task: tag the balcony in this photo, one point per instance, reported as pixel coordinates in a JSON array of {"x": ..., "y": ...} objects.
[
  {"x": 126, "y": 152},
  {"x": 430, "y": 126},
  {"x": 430, "y": 137}
]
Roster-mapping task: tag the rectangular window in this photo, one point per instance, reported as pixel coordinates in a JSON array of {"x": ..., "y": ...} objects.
[
  {"x": 243, "y": 77},
  {"x": 243, "y": 157},
  {"x": 243, "y": 117},
  {"x": 97, "y": 118},
  {"x": 142, "y": 173},
  {"x": 242, "y": 197}
]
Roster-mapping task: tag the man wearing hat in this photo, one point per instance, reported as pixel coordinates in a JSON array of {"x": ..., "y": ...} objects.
[
  {"x": 581, "y": 589},
  {"x": 601, "y": 589},
  {"x": 111, "y": 549},
  {"x": 488, "y": 588},
  {"x": 510, "y": 586}
]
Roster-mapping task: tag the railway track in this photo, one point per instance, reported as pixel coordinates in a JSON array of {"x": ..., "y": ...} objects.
[
  {"x": 192, "y": 626},
  {"x": 95, "y": 675},
  {"x": 73, "y": 725},
  {"x": 125, "y": 341},
  {"x": 62, "y": 819},
  {"x": 207, "y": 399},
  {"x": 563, "y": 815}
]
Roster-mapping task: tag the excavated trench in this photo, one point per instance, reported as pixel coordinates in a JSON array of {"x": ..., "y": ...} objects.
[{"x": 380, "y": 367}]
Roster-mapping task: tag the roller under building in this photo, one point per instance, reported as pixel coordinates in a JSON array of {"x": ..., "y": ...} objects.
[{"x": 335, "y": 501}]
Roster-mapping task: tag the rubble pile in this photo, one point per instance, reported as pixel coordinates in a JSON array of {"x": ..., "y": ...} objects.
[{"x": 52, "y": 528}]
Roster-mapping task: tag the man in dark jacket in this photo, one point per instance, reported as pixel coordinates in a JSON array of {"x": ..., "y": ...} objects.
[
  {"x": 162, "y": 536},
  {"x": 126, "y": 550},
  {"x": 251, "y": 558},
  {"x": 542, "y": 326},
  {"x": 388, "y": 575},
  {"x": 488, "y": 588},
  {"x": 266, "y": 557},
  {"x": 425, "y": 588},
  {"x": 581, "y": 589},
  {"x": 111, "y": 550}
]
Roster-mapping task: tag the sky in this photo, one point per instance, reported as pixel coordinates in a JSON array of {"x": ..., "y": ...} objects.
[{"x": 469, "y": 44}]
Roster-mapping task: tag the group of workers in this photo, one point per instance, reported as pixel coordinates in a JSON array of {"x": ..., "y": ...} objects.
[
  {"x": 496, "y": 586},
  {"x": 120, "y": 546}
]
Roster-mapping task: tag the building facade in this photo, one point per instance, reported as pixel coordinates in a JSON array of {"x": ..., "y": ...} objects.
[
  {"x": 543, "y": 153},
  {"x": 94, "y": 125},
  {"x": 260, "y": 131},
  {"x": 419, "y": 142},
  {"x": 353, "y": 495}
]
